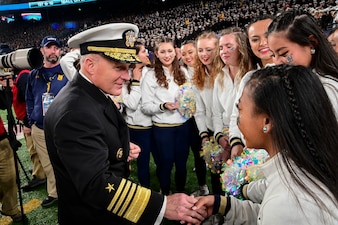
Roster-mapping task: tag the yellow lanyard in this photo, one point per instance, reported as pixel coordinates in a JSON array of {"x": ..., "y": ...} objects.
[{"x": 48, "y": 87}]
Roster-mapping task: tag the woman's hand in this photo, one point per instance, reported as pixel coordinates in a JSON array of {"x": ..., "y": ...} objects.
[
  {"x": 137, "y": 72},
  {"x": 236, "y": 151},
  {"x": 171, "y": 105},
  {"x": 205, "y": 139},
  {"x": 224, "y": 142}
]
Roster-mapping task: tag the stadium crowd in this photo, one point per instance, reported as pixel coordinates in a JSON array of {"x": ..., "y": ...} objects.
[{"x": 183, "y": 22}]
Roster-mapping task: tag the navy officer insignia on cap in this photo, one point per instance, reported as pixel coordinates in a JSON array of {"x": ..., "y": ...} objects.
[
  {"x": 115, "y": 40},
  {"x": 130, "y": 38}
]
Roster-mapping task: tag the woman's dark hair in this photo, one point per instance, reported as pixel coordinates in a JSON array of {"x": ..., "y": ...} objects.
[
  {"x": 302, "y": 28},
  {"x": 304, "y": 125},
  {"x": 138, "y": 46},
  {"x": 259, "y": 18},
  {"x": 188, "y": 42},
  {"x": 179, "y": 76},
  {"x": 255, "y": 60}
]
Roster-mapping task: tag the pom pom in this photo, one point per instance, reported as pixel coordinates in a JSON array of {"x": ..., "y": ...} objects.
[
  {"x": 212, "y": 154},
  {"x": 186, "y": 100},
  {"x": 242, "y": 169}
]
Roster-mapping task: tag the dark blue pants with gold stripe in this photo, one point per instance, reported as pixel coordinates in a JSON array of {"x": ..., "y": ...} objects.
[
  {"x": 172, "y": 147},
  {"x": 144, "y": 139}
]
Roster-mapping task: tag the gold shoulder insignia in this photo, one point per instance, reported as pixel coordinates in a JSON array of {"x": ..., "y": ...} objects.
[{"x": 110, "y": 187}]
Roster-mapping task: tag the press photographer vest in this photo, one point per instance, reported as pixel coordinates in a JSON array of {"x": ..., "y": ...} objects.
[{"x": 19, "y": 105}]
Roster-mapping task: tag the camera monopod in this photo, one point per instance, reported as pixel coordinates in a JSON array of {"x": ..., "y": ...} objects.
[{"x": 15, "y": 144}]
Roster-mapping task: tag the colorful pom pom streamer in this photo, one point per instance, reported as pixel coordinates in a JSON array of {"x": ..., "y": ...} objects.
[
  {"x": 212, "y": 155},
  {"x": 186, "y": 100},
  {"x": 242, "y": 169}
]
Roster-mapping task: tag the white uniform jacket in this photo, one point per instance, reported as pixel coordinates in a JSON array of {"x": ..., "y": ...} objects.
[
  {"x": 132, "y": 102},
  {"x": 330, "y": 85},
  {"x": 223, "y": 100},
  {"x": 279, "y": 205},
  {"x": 153, "y": 96},
  {"x": 203, "y": 115},
  {"x": 67, "y": 63}
]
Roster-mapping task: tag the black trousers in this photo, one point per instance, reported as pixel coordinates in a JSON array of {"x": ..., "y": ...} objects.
[{"x": 196, "y": 146}]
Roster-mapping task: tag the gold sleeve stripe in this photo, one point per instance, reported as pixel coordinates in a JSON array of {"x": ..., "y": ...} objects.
[
  {"x": 235, "y": 140},
  {"x": 127, "y": 200},
  {"x": 245, "y": 191},
  {"x": 117, "y": 194},
  {"x": 124, "y": 193},
  {"x": 222, "y": 205},
  {"x": 218, "y": 136},
  {"x": 138, "y": 205}
]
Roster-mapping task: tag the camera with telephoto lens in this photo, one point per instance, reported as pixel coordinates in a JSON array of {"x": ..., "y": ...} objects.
[{"x": 28, "y": 58}]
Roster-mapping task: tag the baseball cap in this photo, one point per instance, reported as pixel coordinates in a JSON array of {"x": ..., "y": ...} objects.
[
  {"x": 50, "y": 39},
  {"x": 115, "y": 40}
]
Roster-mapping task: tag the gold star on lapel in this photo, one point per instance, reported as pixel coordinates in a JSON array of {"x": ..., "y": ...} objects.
[{"x": 110, "y": 187}]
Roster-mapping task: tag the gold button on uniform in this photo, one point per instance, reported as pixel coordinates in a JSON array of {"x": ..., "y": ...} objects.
[{"x": 119, "y": 153}]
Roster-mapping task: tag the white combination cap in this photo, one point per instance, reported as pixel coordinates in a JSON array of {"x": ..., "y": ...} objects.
[{"x": 114, "y": 40}]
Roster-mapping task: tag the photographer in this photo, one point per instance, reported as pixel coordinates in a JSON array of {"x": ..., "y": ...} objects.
[
  {"x": 19, "y": 106},
  {"x": 8, "y": 185}
]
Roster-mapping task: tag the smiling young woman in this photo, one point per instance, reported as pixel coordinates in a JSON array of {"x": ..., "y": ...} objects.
[
  {"x": 208, "y": 65},
  {"x": 301, "y": 174},
  {"x": 295, "y": 38},
  {"x": 171, "y": 131},
  {"x": 261, "y": 57}
]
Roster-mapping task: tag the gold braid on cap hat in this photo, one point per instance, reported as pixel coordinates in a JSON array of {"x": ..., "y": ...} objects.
[{"x": 120, "y": 54}]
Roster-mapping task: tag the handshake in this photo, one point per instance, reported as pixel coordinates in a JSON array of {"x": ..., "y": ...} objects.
[{"x": 188, "y": 209}]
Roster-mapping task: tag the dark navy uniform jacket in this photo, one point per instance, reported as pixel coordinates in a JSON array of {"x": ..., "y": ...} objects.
[{"x": 88, "y": 144}]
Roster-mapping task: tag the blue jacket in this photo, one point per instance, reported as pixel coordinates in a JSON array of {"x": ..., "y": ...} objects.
[{"x": 37, "y": 85}]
